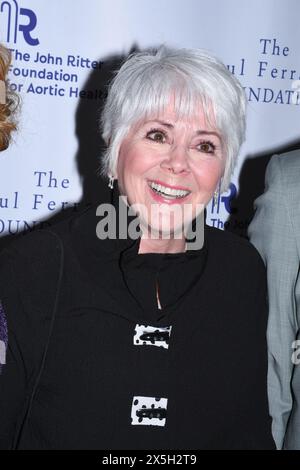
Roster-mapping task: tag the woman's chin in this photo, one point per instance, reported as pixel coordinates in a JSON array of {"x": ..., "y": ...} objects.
[{"x": 159, "y": 231}]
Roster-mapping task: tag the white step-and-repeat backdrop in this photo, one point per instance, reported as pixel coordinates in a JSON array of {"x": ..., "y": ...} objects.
[{"x": 65, "y": 50}]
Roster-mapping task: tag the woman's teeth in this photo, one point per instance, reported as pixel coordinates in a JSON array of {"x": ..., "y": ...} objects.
[{"x": 168, "y": 192}]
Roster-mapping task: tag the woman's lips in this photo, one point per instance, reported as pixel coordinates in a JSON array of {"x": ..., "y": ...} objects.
[
  {"x": 160, "y": 198},
  {"x": 168, "y": 185}
]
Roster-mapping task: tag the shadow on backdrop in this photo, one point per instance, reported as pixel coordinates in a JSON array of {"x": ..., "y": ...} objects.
[
  {"x": 251, "y": 185},
  {"x": 90, "y": 145}
]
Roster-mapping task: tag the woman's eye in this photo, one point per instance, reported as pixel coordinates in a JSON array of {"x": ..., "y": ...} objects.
[
  {"x": 157, "y": 136},
  {"x": 207, "y": 147}
]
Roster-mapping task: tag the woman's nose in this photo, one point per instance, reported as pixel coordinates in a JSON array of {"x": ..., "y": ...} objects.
[{"x": 176, "y": 159}]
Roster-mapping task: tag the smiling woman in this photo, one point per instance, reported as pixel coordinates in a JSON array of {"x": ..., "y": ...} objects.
[
  {"x": 186, "y": 81},
  {"x": 141, "y": 340},
  {"x": 175, "y": 121},
  {"x": 167, "y": 161}
]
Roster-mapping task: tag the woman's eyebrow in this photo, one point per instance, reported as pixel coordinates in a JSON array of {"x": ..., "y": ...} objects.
[
  {"x": 202, "y": 132},
  {"x": 198, "y": 131},
  {"x": 163, "y": 123}
]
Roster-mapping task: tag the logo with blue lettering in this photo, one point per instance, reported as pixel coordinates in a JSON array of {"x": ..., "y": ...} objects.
[
  {"x": 18, "y": 20},
  {"x": 226, "y": 200}
]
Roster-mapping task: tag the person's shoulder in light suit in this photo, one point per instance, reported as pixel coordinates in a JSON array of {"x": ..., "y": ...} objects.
[{"x": 275, "y": 232}]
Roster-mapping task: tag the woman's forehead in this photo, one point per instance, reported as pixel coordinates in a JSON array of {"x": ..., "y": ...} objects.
[{"x": 171, "y": 118}]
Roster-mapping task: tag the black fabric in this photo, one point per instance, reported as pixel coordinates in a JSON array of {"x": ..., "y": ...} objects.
[{"x": 213, "y": 372}]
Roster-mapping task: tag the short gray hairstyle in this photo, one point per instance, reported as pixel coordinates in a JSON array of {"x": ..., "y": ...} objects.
[{"x": 142, "y": 87}]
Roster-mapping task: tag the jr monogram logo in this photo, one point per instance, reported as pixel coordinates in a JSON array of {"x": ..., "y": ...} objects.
[
  {"x": 226, "y": 200},
  {"x": 15, "y": 24}
]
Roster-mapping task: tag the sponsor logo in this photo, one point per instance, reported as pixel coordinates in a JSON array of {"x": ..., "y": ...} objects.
[
  {"x": 225, "y": 200},
  {"x": 18, "y": 20}
]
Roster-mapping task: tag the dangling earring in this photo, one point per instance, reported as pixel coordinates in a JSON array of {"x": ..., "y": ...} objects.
[
  {"x": 111, "y": 182},
  {"x": 217, "y": 193},
  {"x": 216, "y": 197}
]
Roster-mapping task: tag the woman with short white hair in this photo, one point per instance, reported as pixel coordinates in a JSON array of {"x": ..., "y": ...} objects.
[{"x": 145, "y": 328}]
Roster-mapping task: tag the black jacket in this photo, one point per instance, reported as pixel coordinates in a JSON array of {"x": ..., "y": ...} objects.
[{"x": 85, "y": 371}]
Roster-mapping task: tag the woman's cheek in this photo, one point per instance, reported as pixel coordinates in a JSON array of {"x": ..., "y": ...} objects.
[{"x": 208, "y": 171}]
